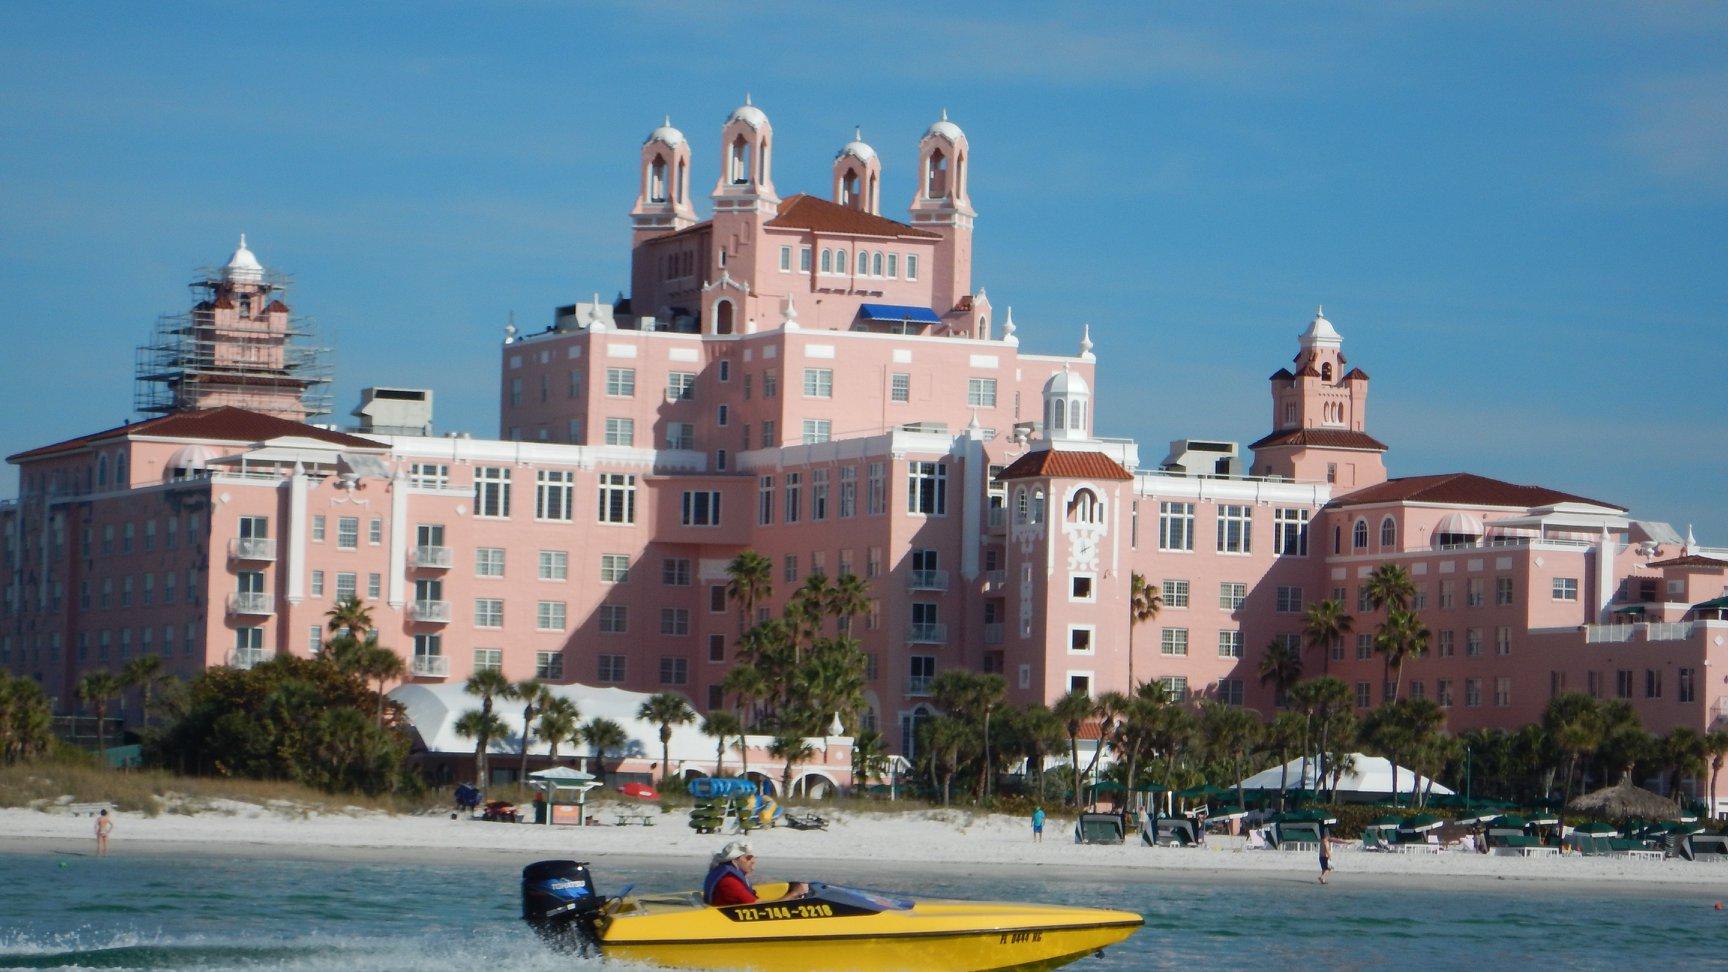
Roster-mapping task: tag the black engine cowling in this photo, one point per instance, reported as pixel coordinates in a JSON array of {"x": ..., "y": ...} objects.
[{"x": 559, "y": 903}]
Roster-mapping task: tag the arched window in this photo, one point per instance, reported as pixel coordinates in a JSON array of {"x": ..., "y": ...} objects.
[
  {"x": 101, "y": 470},
  {"x": 936, "y": 177},
  {"x": 1289, "y": 414},
  {"x": 1388, "y": 534},
  {"x": 740, "y": 161},
  {"x": 1337, "y": 539},
  {"x": 1085, "y": 507},
  {"x": 827, "y": 261},
  {"x": 863, "y": 262},
  {"x": 1077, "y": 417},
  {"x": 1037, "y": 506},
  {"x": 723, "y": 317},
  {"x": 683, "y": 177},
  {"x": 657, "y": 180},
  {"x": 1058, "y": 415},
  {"x": 1359, "y": 535},
  {"x": 1326, "y": 371},
  {"x": 876, "y": 264},
  {"x": 1022, "y": 506},
  {"x": 120, "y": 469},
  {"x": 849, "y": 188}
]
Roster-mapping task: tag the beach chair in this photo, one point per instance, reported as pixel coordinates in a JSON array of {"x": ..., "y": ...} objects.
[
  {"x": 1257, "y": 839},
  {"x": 1098, "y": 828},
  {"x": 1296, "y": 836},
  {"x": 1373, "y": 840},
  {"x": 1704, "y": 847}
]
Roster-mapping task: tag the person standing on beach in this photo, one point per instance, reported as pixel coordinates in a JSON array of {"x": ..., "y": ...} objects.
[
  {"x": 1038, "y": 825},
  {"x": 1326, "y": 843},
  {"x": 104, "y": 827}
]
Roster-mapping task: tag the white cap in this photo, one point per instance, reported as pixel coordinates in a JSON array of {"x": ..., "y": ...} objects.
[
  {"x": 666, "y": 134},
  {"x": 749, "y": 114},
  {"x": 857, "y": 148},
  {"x": 243, "y": 267},
  {"x": 733, "y": 851},
  {"x": 946, "y": 129}
]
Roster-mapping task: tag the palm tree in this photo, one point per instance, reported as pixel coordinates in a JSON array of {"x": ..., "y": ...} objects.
[
  {"x": 559, "y": 723},
  {"x": 791, "y": 746},
  {"x": 1401, "y": 637},
  {"x": 1145, "y": 600},
  {"x": 722, "y": 726},
  {"x": 1403, "y": 728},
  {"x": 534, "y": 695},
  {"x": 489, "y": 684},
  {"x": 143, "y": 673},
  {"x": 1390, "y": 587},
  {"x": 1683, "y": 754},
  {"x": 1330, "y": 702},
  {"x": 1110, "y": 707},
  {"x": 1281, "y": 740},
  {"x": 970, "y": 698},
  {"x": 749, "y": 685},
  {"x": 351, "y": 615},
  {"x": 1325, "y": 623},
  {"x": 26, "y": 720},
  {"x": 482, "y": 726},
  {"x": 1072, "y": 710},
  {"x": 603, "y": 736},
  {"x": 942, "y": 740},
  {"x": 750, "y": 579},
  {"x": 1573, "y": 722},
  {"x": 1040, "y": 732},
  {"x": 1230, "y": 733},
  {"x": 376, "y": 663},
  {"x": 96, "y": 690},
  {"x": 869, "y": 758},
  {"x": 1280, "y": 667},
  {"x": 666, "y": 709},
  {"x": 1716, "y": 750},
  {"x": 848, "y": 598}
]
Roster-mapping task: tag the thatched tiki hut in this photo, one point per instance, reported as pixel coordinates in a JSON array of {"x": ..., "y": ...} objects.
[{"x": 1624, "y": 800}]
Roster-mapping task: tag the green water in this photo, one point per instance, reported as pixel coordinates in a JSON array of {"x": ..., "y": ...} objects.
[{"x": 65, "y": 912}]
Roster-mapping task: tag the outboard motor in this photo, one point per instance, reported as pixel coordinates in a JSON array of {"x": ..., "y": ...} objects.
[{"x": 559, "y": 903}]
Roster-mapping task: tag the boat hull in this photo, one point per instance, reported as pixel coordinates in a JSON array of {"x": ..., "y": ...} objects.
[{"x": 1027, "y": 949}]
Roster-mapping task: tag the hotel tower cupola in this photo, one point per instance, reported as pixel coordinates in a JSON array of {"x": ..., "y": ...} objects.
[
  {"x": 746, "y": 160},
  {"x": 1067, "y": 404},
  {"x": 858, "y": 176},
  {"x": 243, "y": 267},
  {"x": 663, "y": 203}
]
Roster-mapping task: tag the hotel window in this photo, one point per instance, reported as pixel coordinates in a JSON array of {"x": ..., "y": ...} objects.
[
  {"x": 769, "y": 439},
  {"x": 818, "y": 383},
  {"x": 716, "y": 648},
  {"x": 620, "y": 431},
  {"x": 1565, "y": 588},
  {"x": 1175, "y": 593},
  {"x": 770, "y": 384},
  {"x": 549, "y": 616},
  {"x": 1472, "y": 642},
  {"x": 1472, "y": 693},
  {"x": 1365, "y": 646},
  {"x": 347, "y": 585},
  {"x": 621, "y": 382},
  {"x": 1364, "y": 695},
  {"x": 893, "y": 265},
  {"x": 1081, "y": 639},
  {"x": 375, "y": 531},
  {"x": 701, "y": 508},
  {"x": 1173, "y": 641},
  {"x": 1443, "y": 692},
  {"x": 900, "y": 387},
  {"x": 515, "y": 391},
  {"x": 488, "y": 659},
  {"x": 492, "y": 491},
  {"x": 1448, "y": 644},
  {"x": 488, "y": 612},
  {"x": 675, "y": 572},
  {"x": 827, "y": 261},
  {"x": 927, "y": 488},
  {"x": 873, "y": 562},
  {"x": 1230, "y": 644},
  {"x": 680, "y": 435},
  {"x": 1079, "y": 589},
  {"x": 347, "y": 532},
  {"x": 573, "y": 385},
  {"x": 1235, "y": 526},
  {"x": 428, "y": 475},
  {"x": 1175, "y": 687},
  {"x": 1687, "y": 685},
  {"x": 1417, "y": 691},
  {"x": 876, "y": 491},
  {"x": 549, "y": 665},
  {"x": 554, "y": 565},
  {"x": 1359, "y": 535},
  {"x": 1593, "y": 684},
  {"x": 1388, "y": 534},
  {"x": 1231, "y": 594},
  {"x": 1623, "y": 683},
  {"x": 765, "y": 500},
  {"x": 1652, "y": 683},
  {"x": 614, "y": 568},
  {"x": 848, "y": 491},
  {"x": 1502, "y": 591},
  {"x": 1503, "y": 640},
  {"x": 680, "y": 386},
  {"x": 1290, "y": 532},
  {"x": 675, "y": 621},
  {"x": 317, "y": 585},
  {"x": 1289, "y": 600},
  {"x": 553, "y": 492},
  {"x": 489, "y": 562},
  {"x": 785, "y": 259},
  {"x": 791, "y": 508},
  {"x": 674, "y": 671},
  {"x": 611, "y": 668},
  {"x": 723, "y": 416},
  {"x": 876, "y": 264},
  {"x": 817, "y": 431},
  {"x": 981, "y": 392},
  {"x": 911, "y": 266},
  {"x": 617, "y": 498},
  {"x": 804, "y": 259},
  {"x": 818, "y": 494},
  {"x": 1502, "y": 692},
  {"x": 789, "y": 568},
  {"x": 719, "y": 460},
  {"x": 374, "y": 585},
  {"x": 1448, "y": 594},
  {"x": 717, "y": 598},
  {"x": 1473, "y": 592}
]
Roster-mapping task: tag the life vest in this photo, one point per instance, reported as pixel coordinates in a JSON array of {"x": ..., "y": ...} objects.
[{"x": 719, "y": 871}]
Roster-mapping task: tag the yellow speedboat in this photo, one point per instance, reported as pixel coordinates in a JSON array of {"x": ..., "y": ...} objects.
[{"x": 832, "y": 928}]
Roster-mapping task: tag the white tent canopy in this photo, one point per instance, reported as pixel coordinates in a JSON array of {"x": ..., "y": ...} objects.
[{"x": 1368, "y": 776}]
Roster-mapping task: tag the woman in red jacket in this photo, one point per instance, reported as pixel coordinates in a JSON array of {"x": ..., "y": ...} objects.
[{"x": 728, "y": 881}]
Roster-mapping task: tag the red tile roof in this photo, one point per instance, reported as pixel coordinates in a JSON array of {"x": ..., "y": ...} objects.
[
  {"x": 1463, "y": 489},
  {"x": 1356, "y": 374},
  {"x": 804, "y": 211},
  {"x": 1322, "y": 439},
  {"x": 1282, "y": 374},
  {"x": 1691, "y": 560},
  {"x": 1064, "y": 464},
  {"x": 226, "y": 424},
  {"x": 276, "y": 306}
]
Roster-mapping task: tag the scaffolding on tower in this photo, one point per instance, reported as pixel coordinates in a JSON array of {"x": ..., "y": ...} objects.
[{"x": 239, "y": 345}]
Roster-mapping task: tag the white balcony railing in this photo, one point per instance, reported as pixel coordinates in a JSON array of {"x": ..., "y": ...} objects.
[
  {"x": 432, "y": 556},
  {"x": 436, "y": 612},
  {"x": 251, "y": 603},
  {"x": 1719, "y": 713},
  {"x": 927, "y": 634},
  {"x": 248, "y": 657},
  {"x": 1668, "y": 630},
  {"x": 918, "y": 684},
  {"x": 252, "y": 548},
  {"x": 429, "y": 666},
  {"x": 1597, "y": 634},
  {"x": 997, "y": 518},
  {"x": 927, "y": 580},
  {"x": 993, "y": 633},
  {"x": 995, "y": 580}
]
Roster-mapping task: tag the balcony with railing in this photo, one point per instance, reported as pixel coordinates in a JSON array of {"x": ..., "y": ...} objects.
[
  {"x": 250, "y": 602},
  {"x": 1607, "y": 634},
  {"x": 996, "y": 519},
  {"x": 435, "y": 557},
  {"x": 927, "y": 633},
  {"x": 927, "y": 580},
  {"x": 994, "y": 633},
  {"x": 919, "y": 684},
  {"x": 431, "y": 612},
  {"x": 252, "y": 548},
  {"x": 248, "y": 657},
  {"x": 995, "y": 581},
  {"x": 1719, "y": 713},
  {"x": 429, "y": 666}
]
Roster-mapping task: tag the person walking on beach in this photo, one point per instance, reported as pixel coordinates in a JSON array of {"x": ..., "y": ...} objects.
[
  {"x": 1038, "y": 825},
  {"x": 1326, "y": 843},
  {"x": 104, "y": 827}
]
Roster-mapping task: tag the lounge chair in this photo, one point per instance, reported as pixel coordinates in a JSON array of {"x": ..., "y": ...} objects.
[
  {"x": 1098, "y": 828},
  {"x": 1373, "y": 840},
  {"x": 1296, "y": 836},
  {"x": 1704, "y": 847},
  {"x": 805, "y": 821}
]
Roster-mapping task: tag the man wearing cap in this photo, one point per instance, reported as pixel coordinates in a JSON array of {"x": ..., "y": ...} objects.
[{"x": 728, "y": 881}]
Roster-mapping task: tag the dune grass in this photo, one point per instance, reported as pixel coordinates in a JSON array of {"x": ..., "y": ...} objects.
[{"x": 46, "y": 784}]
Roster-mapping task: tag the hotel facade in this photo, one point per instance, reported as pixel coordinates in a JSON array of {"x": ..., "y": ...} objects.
[{"x": 810, "y": 379}]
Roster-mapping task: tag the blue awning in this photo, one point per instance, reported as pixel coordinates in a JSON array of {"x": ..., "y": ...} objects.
[{"x": 898, "y": 312}]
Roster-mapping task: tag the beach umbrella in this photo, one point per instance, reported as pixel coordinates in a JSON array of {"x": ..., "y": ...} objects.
[
  {"x": 1151, "y": 787},
  {"x": 1597, "y": 828},
  {"x": 1227, "y": 812},
  {"x": 1388, "y": 822},
  {"x": 1511, "y": 821},
  {"x": 1205, "y": 791},
  {"x": 1421, "y": 822},
  {"x": 1105, "y": 786},
  {"x": 1681, "y": 828},
  {"x": 1625, "y": 800}
]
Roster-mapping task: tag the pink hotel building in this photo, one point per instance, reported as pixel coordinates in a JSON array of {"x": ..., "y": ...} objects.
[{"x": 810, "y": 379}]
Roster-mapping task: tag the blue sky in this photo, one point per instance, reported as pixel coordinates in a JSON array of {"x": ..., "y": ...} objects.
[{"x": 1517, "y": 215}]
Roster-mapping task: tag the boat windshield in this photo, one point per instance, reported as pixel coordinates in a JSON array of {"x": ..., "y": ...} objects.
[{"x": 860, "y": 898}]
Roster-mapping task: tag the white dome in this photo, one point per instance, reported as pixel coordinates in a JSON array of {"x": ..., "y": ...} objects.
[
  {"x": 1321, "y": 331},
  {"x": 749, "y": 114},
  {"x": 666, "y": 134},
  {"x": 1066, "y": 382},
  {"x": 243, "y": 267},
  {"x": 857, "y": 148},
  {"x": 946, "y": 129}
]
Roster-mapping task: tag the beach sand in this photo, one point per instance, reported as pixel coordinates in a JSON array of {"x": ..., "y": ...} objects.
[{"x": 955, "y": 842}]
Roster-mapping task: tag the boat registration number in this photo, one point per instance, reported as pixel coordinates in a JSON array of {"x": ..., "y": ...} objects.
[{"x": 780, "y": 912}]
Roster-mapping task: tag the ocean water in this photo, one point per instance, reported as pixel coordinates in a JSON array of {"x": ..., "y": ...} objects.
[{"x": 80, "y": 912}]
